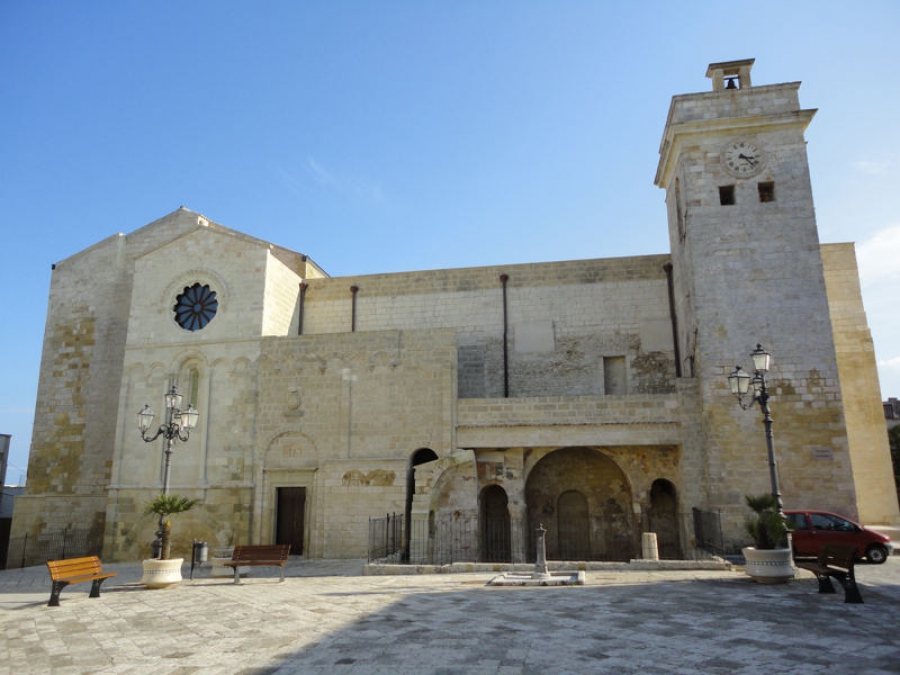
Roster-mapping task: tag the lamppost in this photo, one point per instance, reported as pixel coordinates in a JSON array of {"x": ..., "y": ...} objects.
[
  {"x": 739, "y": 383},
  {"x": 178, "y": 425}
]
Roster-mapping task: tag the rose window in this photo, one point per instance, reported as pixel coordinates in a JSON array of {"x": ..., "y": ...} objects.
[{"x": 195, "y": 307}]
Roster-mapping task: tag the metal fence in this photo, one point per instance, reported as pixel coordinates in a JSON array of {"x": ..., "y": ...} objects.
[
  {"x": 386, "y": 542},
  {"x": 38, "y": 549},
  {"x": 459, "y": 538},
  {"x": 451, "y": 538},
  {"x": 708, "y": 532}
]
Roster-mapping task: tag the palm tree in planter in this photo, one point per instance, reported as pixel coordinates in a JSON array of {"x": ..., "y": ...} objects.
[
  {"x": 769, "y": 560},
  {"x": 165, "y": 571}
]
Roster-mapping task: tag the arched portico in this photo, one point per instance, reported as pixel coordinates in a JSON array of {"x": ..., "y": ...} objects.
[{"x": 584, "y": 500}]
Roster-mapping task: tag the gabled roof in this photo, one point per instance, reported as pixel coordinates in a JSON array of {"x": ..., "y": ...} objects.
[{"x": 183, "y": 221}]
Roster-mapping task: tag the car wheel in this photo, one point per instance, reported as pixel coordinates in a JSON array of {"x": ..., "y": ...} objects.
[{"x": 876, "y": 554}]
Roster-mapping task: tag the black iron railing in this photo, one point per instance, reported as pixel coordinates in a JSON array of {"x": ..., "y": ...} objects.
[
  {"x": 37, "y": 549},
  {"x": 459, "y": 537},
  {"x": 708, "y": 531},
  {"x": 386, "y": 541}
]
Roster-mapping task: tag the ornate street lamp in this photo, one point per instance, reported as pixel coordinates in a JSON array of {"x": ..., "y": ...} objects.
[
  {"x": 178, "y": 425},
  {"x": 740, "y": 383}
]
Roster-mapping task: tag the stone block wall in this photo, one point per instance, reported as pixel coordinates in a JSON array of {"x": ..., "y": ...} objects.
[
  {"x": 770, "y": 99},
  {"x": 860, "y": 390},
  {"x": 562, "y": 319},
  {"x": 72, "y": 442},
  {"x": 351, "y": 409}
]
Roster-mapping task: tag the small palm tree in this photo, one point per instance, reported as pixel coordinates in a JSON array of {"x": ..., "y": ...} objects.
[
  {"x": 165, "y": 506},
  {"x": 769, "y": 529}
]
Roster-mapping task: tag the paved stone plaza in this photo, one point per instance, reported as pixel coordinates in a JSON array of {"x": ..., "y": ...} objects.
[{"x": 328, "y": 618}]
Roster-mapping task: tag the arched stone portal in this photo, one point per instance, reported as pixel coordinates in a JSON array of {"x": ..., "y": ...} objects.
[
  {"x": 584, "y": 500},
  {"x": 420, "y": 456},
  {"x": 494, "y": 525},
  {"x": 663, "y": 517}
]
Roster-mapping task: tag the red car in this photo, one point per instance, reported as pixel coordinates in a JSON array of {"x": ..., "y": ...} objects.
[{"x": 811, "y": 529}]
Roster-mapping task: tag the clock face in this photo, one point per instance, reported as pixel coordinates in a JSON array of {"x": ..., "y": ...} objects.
[{"x": 743, "y": 158}]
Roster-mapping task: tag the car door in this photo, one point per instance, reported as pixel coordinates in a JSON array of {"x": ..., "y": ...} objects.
[
  {"x": 802, "y": 538},
  {"x": 832, "y": 529}
]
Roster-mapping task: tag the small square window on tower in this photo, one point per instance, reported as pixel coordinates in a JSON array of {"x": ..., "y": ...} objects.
[
  {"x": 726, "y": 195},
  {"x": 766, "y": 192}
]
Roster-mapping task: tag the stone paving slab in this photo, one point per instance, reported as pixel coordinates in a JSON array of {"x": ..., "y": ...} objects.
[{"x": 328, "y": 618}]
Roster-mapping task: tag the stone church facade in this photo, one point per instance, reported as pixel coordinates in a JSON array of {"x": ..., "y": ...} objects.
[{"x": 589, "y": 396}]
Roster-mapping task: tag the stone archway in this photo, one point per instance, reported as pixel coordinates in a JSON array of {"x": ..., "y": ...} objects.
[
  {"x": 584, "y": 500},
  {"x": 494, "y": 525},
  {"x": 420, "y": 456},
  {"x": 663, "y": 519}
]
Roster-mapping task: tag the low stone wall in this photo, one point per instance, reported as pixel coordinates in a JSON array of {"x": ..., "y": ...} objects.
[{"x": 637, "y": 565}]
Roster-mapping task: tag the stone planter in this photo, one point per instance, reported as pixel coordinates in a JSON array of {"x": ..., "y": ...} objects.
[
  {"x": 161, "y": 573},
  {"x": 774, "y": 566}
]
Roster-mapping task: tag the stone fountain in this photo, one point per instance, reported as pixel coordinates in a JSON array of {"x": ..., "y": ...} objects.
[{"x": 541, "y": 576}]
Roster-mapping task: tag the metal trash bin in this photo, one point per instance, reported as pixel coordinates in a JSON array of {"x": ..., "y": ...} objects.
[
  {"x": 201, "y": 552},
  {"x": 199, "y": 555}
]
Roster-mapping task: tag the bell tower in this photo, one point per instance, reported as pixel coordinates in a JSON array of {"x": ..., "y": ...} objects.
[
  {"x": 747, "y": 268},
  {"x": 742, "y": 226}
]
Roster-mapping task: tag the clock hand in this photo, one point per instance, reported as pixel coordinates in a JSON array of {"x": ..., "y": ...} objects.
[{"x": 750, "y": 160}]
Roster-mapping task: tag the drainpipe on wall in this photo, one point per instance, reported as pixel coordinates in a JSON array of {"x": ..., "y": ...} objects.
[
  {"x": 674, "y": 317},
  {"x": 503, "y": 279},
  {"x": 354, "y": 290},
  {"x": 303, "y": 287}
]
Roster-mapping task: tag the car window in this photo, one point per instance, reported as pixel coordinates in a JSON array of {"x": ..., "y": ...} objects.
[
  {"x": 843, "y": 525},
  {"x": 797, "y": 521},
  {"x": 824, "y": 521},
  {"x": 821, "y": 522}
]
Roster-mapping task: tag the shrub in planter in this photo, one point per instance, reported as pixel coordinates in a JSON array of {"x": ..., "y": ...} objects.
[
  {"x": 165, "y": 506},
  {"x": 768, "y": 529},
  {"x": 769, "y": 561}
]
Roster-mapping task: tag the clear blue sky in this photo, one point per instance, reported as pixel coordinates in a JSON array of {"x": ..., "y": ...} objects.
[{"x": 392, "y": 136}]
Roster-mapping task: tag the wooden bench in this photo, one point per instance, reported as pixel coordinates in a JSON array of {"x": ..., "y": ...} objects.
[
  {"x": 270, "y": 555},
  {"x": 835, "y": 560},
  {"x": 74, "y": 571}
]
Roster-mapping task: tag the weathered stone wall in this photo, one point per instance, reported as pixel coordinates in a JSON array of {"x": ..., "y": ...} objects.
[
  {"x": 83, "y": 346},
  {"x": 876, "y": 497},
  {"x": 562, "y": 320},
  {"x": 282, "y": 290},
  {"x": 353, "y": 408}
]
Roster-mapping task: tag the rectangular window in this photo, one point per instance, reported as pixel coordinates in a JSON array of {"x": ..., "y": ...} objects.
[
  {"x": 726, "y": 195},
  {"x": 766, "y": 192},
  {"x": 614, "y": 376}
]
